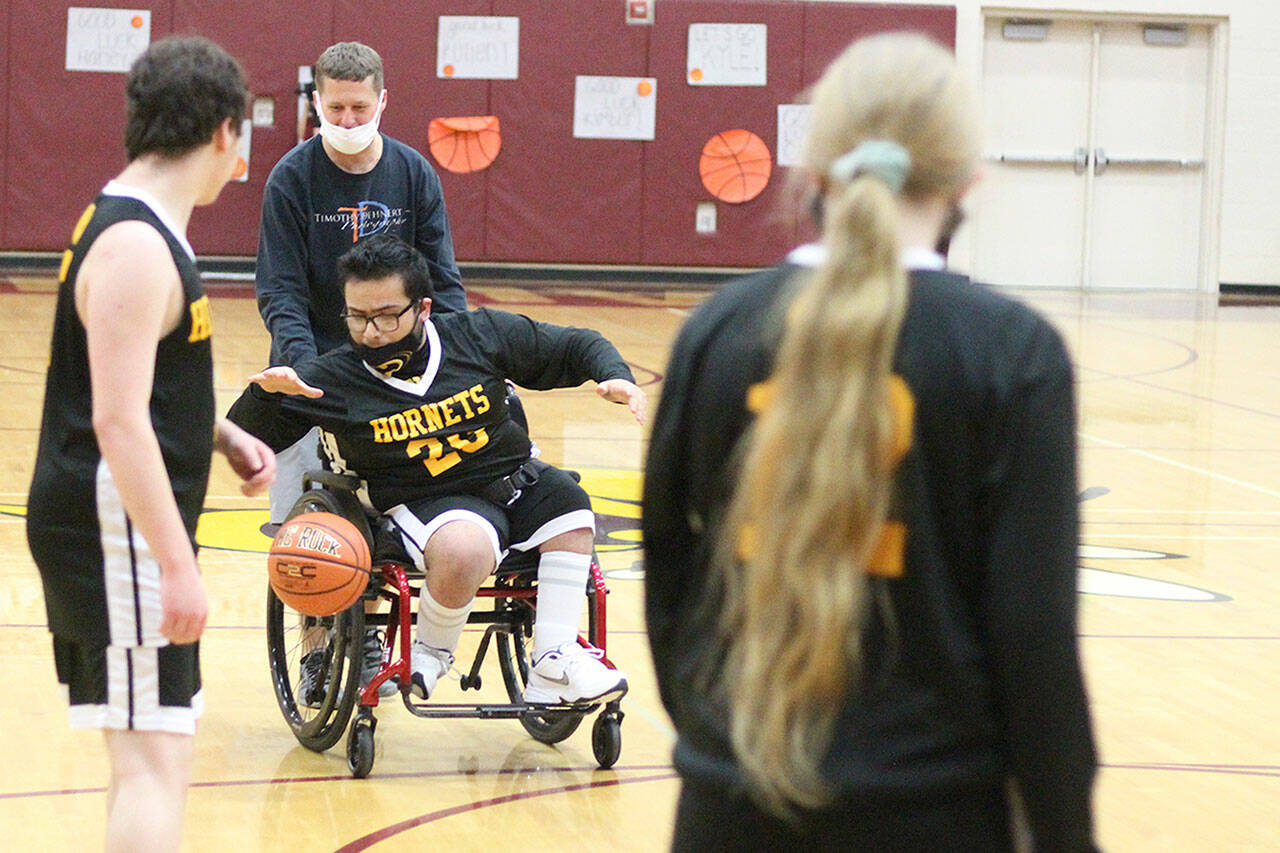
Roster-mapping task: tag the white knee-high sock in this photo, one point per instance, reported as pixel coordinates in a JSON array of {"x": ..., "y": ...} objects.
[
  {"x": 562, "y": 583},
  {"x": 440, "y": 626}
]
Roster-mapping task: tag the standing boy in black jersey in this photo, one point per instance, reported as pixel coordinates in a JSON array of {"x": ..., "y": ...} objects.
[
  {"x": 127, "y": 432},
  {"x": 416, "y": 406}
]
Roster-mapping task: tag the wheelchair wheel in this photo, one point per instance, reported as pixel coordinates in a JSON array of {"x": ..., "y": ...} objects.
[
  {"x": 316, "y": 656},
  {"x": 360, "y": 746},
  {"x": 513, "y": 660},
  {"x": 606, "y": 739},
  {"x": 332, "y": 647}
]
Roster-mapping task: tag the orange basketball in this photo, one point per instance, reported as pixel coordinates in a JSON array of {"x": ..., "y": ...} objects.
[
  {"x": 465, "y": 143},
  {"x": 319, "y": 563},
  {"x": 735, "y": 166}
]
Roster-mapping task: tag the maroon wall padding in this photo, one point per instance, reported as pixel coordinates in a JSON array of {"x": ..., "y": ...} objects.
[
  {"x": 753, "y": 233},
  {"x": 406, "y": 41},
  {"x": 8, "y": 138},
  {"x": 553, "y": 198},
  {"x": 66, "y": 128},
  {"x": 830, "y": 27},
  {"x": 270, "y": 40},
  {"x": 547, "y": 198}
]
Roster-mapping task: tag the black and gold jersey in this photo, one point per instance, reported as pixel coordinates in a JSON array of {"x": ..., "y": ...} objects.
[
  {"x": 446, "y": 431},
  {"x": 72, "y": 487}
]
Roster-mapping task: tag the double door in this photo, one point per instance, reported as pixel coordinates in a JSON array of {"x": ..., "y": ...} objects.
[{"x": 1097, "y": 133}]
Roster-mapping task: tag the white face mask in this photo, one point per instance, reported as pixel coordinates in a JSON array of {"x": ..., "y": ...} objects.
[{"x": 350, "y": 140}]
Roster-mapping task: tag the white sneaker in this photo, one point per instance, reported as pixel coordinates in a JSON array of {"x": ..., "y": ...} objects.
[
  {"x": 573, "y": 673},
  {"x": 428, "y": 664}
]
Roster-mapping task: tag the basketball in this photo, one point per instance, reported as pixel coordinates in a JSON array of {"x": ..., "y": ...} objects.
[
  {"x": 465, "y": 143},
  {"x": 319, "y": 563},
  {"x": 735, "y": 166}
]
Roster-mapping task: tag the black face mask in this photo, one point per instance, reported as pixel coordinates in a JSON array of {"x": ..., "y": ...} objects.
[
  {"x": 950, "y": 225},
  {"x": 401, "y": 356}
]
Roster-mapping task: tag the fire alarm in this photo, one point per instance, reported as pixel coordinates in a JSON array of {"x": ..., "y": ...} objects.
[{"x": 640, "y": 11}]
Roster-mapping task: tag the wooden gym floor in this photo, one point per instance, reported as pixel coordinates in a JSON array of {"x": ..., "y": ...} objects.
[{"x": 1180, "y": 472}]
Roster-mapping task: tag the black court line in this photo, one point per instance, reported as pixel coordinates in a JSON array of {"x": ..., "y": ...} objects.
[{"x": 367, "y": 841}]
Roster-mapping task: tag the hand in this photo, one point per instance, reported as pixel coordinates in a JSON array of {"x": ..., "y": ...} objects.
[
  {"x": 185, "y": 607},
  {"x": 251, "y": 459},
  {"x": 284, "y": 380},
  {"x": 622, "y": 391}
]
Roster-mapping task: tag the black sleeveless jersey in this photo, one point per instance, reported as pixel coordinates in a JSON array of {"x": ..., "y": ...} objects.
[{"x": 71, "y": 484}]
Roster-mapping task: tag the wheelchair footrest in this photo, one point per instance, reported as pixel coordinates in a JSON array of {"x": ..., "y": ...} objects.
[{"x": 492, "y": 712}]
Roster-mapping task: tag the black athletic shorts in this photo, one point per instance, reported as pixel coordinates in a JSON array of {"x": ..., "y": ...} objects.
[
  {"x": 136, "y": 688},
  {"x": 555, "y": 504}
]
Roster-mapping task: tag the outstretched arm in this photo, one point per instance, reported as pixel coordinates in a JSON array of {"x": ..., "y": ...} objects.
[
  {"x": 284, "y": 380},
  {"x": 623, "y": 391}
]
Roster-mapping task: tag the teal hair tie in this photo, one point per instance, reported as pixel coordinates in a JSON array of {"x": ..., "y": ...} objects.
[{"x": 881, "y": 158}]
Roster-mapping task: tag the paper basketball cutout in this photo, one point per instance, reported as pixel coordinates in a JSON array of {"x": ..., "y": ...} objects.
[
  {"x": 319, "y": 563},
  {"x": 465, "y": 143},
  {"x": 735, "y": 166}
]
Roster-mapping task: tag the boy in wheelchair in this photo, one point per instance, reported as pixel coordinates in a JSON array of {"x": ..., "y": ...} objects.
[{"x": 415, "y": 406}]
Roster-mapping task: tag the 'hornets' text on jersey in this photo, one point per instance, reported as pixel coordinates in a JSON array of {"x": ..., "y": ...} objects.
[{"x": 447, "y": 431}]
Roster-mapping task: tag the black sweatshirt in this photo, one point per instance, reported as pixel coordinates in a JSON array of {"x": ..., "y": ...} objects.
[
  {"x": 983, "y": 680},
  {"x": 313, "y": 212}
]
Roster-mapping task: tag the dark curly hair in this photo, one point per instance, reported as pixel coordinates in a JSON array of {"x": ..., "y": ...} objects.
[
  {"x": 179, "y": 92},
  {"x": 382, "y": 255}
]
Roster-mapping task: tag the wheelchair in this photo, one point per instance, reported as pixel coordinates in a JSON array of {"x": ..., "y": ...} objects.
[{"x": 336, "y": 702}]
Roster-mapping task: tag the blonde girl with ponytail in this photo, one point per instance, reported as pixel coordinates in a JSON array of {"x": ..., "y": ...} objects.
[{"x": 818, "y": 643}]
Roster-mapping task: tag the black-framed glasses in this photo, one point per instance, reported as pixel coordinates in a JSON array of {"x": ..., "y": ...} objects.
[{"x": 357, "y": 323}]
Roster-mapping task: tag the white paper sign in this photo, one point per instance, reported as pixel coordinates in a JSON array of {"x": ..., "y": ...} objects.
[
  {"x": 106, "y": 39},
  {"x": 476, "y": 47},
  {"x": 727, "y": 55},
  {"x": 793, "y": 127},
  {"x": 614, "y": 107}
]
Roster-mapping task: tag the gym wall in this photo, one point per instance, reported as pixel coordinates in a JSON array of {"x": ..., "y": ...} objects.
[{"x": 548, "y": 198}]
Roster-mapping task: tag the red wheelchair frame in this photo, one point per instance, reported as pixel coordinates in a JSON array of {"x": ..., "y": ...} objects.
[{"x": 513, "y": 591}]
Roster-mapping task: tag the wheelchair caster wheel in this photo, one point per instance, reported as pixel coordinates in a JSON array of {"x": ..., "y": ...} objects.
[
  {"x": 360, "y": 747},
  {"x": 469, "y": 683},
  {"x": 606, "y": 739}
]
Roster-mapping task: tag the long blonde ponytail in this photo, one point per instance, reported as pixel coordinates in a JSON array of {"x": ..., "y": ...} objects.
[{"x": 817, "y": 470}]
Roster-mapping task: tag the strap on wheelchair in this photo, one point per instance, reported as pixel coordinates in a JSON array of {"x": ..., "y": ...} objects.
[{"x": 507, "y": 490}]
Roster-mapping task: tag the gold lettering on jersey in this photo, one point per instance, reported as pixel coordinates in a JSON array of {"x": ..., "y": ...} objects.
[
  {"x": 81, "y": 224},
  {"x": 434, "y": 422},
  {"x": 888, "y": 556},
  {"x": 399, "y": 427},
  {"x": 430, "y": 417},
  {"x": 201, "y": 320},
  {"x": 413, "y": 418}
]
